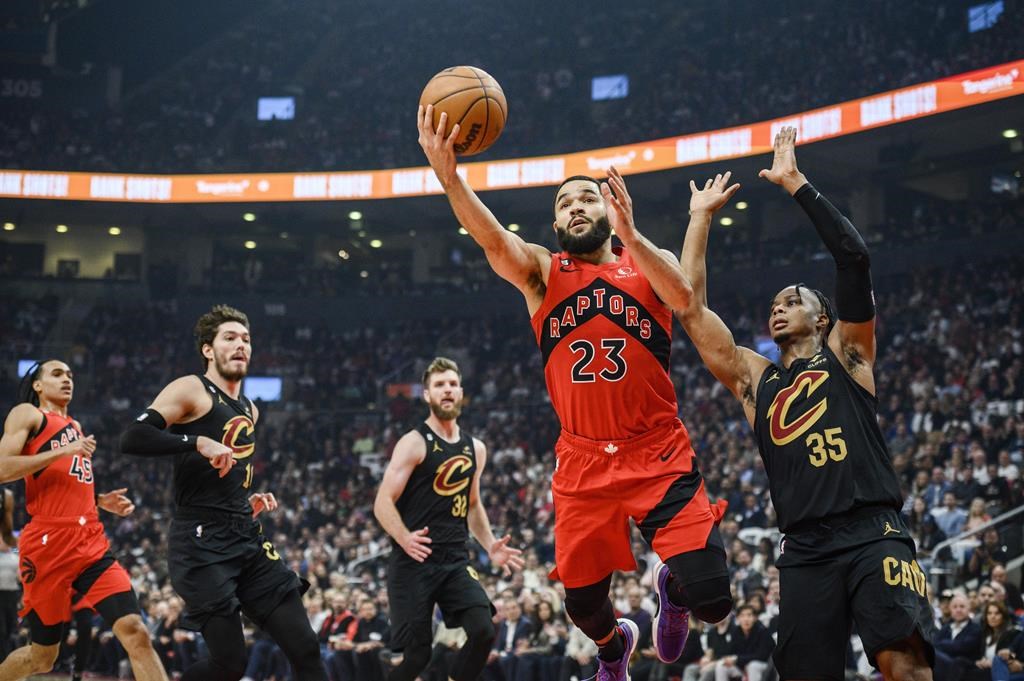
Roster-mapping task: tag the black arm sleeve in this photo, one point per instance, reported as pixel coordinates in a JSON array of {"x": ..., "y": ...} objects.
[
  {"x": 855, "y": 301},
  {"x": 147, "y": 437}
]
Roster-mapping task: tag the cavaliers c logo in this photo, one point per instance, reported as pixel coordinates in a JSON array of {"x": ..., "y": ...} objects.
[
  {"x": 238, "y": 436},
  {"x": 446, "y": 480},
  {"x": 782, "y": 432}
]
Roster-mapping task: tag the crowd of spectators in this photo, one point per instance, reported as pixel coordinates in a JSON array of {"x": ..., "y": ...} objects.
[{"x": 356, "y": 72}]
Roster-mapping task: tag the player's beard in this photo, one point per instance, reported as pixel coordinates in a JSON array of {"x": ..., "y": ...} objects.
[
  {"x": 589, "y": 241},
  {"x": 229, "y": 375},
  {"x": 440, "y": 412}
]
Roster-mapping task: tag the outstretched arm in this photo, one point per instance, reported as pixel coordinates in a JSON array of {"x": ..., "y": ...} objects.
[
  {"x": 853, "y": 338},
  {"x": 520, "y": 263},
  {"x": 737, "y": 368},
  {"x": 659, "y": 266},
  {"x": 500, "y": 553}
]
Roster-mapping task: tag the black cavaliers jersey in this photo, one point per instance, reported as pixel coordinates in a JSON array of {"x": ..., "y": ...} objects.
[
  {"x": 197, "y": 484},
  {"x": 437, "y": 493},
  {"x": 819, "y": 438}
]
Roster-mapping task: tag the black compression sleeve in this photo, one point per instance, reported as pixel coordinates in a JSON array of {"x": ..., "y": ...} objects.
[
  {"x": 855, "y": 301},
  {"x": 147, "y": 437}
]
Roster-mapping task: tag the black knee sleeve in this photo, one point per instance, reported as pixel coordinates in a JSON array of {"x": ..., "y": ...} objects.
[
  {"x": 415, "y": 658},
  {"x": 590, "y": 610},
  {"x": 700, "y": 581},
  {"x": 472, "y": 659},
  {"x": 710, "y": 600}
]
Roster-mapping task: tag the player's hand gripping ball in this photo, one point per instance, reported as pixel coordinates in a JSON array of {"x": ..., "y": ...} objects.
[{"x": 471, "y": 98}]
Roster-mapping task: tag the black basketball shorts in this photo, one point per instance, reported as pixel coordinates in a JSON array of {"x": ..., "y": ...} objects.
[
  {"x": 445, "y": 579},
  {"x": 221, "y": 565},
  {"x": 861, "y": 572}
]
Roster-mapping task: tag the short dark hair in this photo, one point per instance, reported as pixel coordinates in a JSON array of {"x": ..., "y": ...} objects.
[
  {"x": 746, "y": 606},
  {"x": 575, "y": 178},
  {"x": 26, "y": 393},
  {"x": 207, "y": 325},
  {"x": 439, "y": 365}
]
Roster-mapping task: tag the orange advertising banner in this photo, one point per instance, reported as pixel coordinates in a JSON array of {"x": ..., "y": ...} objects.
[{"x": 896, "y": 106}]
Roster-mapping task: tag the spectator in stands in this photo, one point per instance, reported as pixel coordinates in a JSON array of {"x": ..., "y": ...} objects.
[
  {"x": 719, "y": 641},
  {"x": 957, "y": 642},
  {"x": 749, "y": 649},
  {"x": 541, "y": 658},
  {"x": 1013, "y": 595},
  {"x": 1008, "y": 664},
  {"x": 371, "y": 636},
  {"x": 966, "y": 487},
  {"x": 513, "y": 635},
  {"x": 997, "y": 633},
  {"x": 987, "y": 555},
  {"x": 580, "y": 657},
  {"x": 935, "y": 493},
  {"x": 976, "y": 515},
  {"x": 950, "y": 517}
]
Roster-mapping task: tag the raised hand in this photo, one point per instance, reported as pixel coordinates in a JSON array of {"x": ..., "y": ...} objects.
[
  {"x": 504, "y": 556},
  {"x": 440, "y": 150},
  {"x": 260, "y": 502},
  {"x": 116, "y": 502},
  {"x": 784, "y": 171},
  {"x": 417, "y": 545},
  {"x": 715, "y": 194},
  {"x": 220, "y": 456},
  {"x": 619, "y": 205}
]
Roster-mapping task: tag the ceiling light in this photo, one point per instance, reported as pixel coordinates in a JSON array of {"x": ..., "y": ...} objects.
[
  {"x": 8, "y": 226},
  {"x": 725, "y": 222},
  {"x": 62, "y": 229},
  {"x": 249, "y": 217},
  {"x": 742, "y": 205},
  {"x": 1010, "y": 133},
  {"x": 514, "y": 227},
  {"x": 355, "y": 215},
  {"x": 250, "y": 244},
  {"x": 364, "y": 274},
  {"x": 114, "y": 231},
  {"x": 376, "y": 243},
  {"x": 462, "y": 231},
  {"x": 343, "y": 254}
]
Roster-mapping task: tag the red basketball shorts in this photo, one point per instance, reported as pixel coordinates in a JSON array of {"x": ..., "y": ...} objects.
[
  {"x": 63, "y": 560},
  {"x": 599, "y": 485}
]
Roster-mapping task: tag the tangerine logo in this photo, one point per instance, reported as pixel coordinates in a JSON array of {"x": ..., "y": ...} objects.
[
  {"x": 446, "y": 480},
  {"x": 782, "y": 432},
  {"x": 239, "y": 428}
]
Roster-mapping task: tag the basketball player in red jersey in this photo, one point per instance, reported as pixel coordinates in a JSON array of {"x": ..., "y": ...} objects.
[
  {"x": 64, "y": 552},
  {"x": 603, "y": 320}
]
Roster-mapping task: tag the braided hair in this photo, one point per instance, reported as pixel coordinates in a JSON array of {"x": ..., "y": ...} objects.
[
  {"x": 826, "y": 306},
  {"x": 26, "y": 393}
]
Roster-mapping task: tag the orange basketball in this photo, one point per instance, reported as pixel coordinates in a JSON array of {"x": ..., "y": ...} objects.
[{"x": 472, "y": 99}]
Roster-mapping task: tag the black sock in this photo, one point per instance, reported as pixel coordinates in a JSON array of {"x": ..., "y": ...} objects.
[{"x": 613, "y": 650}]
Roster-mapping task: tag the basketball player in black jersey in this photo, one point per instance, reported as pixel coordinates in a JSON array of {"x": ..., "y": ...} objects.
[
  {"x": 847, "y": 554},
  {"x": 220, "y": 562},
  {"x": 429, "y": 501}
]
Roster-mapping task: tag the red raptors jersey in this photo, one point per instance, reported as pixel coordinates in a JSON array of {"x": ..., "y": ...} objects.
[
  {"x": 65, "y": 487},
  {"x": 605, "y": 340}
]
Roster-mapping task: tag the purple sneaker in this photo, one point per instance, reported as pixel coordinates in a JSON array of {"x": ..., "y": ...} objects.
[
  {"x": 619, "y": 671},
  {"x": 671, "y": 624}
]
